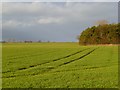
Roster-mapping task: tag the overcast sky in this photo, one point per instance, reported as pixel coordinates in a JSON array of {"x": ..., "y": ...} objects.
[{"x": 53, "y": 21}]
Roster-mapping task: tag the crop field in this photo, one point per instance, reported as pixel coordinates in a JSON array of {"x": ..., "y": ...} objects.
[{"x": 59, "y": 65}]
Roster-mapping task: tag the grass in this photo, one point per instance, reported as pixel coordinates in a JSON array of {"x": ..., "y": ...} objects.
[
  {"x": 0, "y": 65},
  {"x": 59, "y": 65}
]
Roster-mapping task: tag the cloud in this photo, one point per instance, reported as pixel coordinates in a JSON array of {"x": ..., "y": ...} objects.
[
  {"x": 49, "y": 20},
  {"x": 60, "y": 1},
  {"x": 65, "y": 18},
  {"x": 11, "y": 23},
  {"x": 53, "y": 13},
  {"x": 9, "y": 8}
]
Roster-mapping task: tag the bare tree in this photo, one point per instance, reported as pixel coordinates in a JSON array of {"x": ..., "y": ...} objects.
[
  {"x": 39, "y": 41},
  {"x": 101, "y": 22},
  {"x": 78, "y": 37}
]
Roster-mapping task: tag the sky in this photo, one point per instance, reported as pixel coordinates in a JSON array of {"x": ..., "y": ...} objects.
[
  {"x": 60, "y": 0},
  {"x": 53, "y": 21}
]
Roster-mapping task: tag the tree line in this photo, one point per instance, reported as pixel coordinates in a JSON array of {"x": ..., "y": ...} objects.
[{"x": 101, "y": 34}]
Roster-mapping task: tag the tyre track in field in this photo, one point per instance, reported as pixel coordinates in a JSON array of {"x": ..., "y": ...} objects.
[
  {"x": 67, "y": 56},
  {"x": 73, "y": 60},
  {"x": 32, "y": 56},
  {"x": 27, "y": 56},
  {"x": 77, "y": 58},
  {"x": 49, "y": 69},
  {"x": 69, "y": 62},
  {"x": 32, "y": 66}
]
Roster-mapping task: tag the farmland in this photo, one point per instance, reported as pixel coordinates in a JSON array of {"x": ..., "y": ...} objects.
[{"x": 59, "y": 65}]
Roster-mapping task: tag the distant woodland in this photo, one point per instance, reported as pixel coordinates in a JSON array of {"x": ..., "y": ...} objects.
[{"x": 101, "y": 34}]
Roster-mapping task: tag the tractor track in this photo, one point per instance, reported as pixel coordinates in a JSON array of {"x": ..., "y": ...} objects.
[
  {"x": 32, "y": 66},
  {"x": 77, "y": 58},
  {"x": 73, "y": 60}
]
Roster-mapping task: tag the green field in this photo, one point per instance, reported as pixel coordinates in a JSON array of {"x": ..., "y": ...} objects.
[{"x": 59, "y": 65}]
